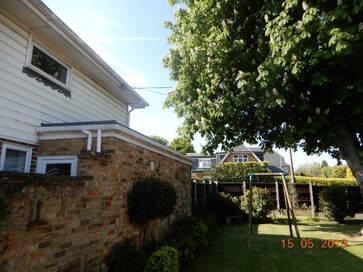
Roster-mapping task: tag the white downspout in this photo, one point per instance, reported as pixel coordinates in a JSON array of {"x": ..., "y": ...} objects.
[
  {"x": 128, "y": 115},
  {"x": 99, "y": 140},
  {"x": 89, "y": 138}
]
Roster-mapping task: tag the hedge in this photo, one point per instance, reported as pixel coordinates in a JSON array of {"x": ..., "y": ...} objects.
[
  {"x": 323, "y": 181},
  {"x": 236, "y": 171}
]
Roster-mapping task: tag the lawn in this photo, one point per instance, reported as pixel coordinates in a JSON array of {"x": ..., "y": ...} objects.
[{"x": 228, "y": 251}]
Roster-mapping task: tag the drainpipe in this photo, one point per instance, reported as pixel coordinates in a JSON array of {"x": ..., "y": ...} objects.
[
  {"x": 89, "y": 138},
  {"x": 128, "y": 115},
  {"x": 99, "y": 140}
]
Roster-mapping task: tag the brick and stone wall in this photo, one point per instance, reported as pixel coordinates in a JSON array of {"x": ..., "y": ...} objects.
[{"x": 71, "y": 225}]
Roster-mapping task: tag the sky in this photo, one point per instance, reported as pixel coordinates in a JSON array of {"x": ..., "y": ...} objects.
[{"x": 129, "y": 36}]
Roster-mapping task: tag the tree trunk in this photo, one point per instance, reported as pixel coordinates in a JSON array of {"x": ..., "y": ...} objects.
[{"x": 349, "y": 148}]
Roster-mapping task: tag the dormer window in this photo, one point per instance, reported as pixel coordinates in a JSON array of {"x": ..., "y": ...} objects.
[
  {"x": 46, "y": 68},
  {"x": 240, "y": 158}
]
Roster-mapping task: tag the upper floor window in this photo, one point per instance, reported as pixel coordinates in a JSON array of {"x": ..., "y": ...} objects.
[
  {"x": 46, "y": 68},
  {"x": 205, "y": 163},
  {"x": 15, "y": 158},
  {"x": 240, "y": 158},
  {"x": 49, "y": 65}
]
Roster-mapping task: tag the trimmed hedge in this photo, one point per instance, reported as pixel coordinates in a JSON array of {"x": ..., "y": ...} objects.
[
  {"x": 323, "y": 181},
  {"x": 237, "y": 171},
  {"x": 333, "y": 201}
]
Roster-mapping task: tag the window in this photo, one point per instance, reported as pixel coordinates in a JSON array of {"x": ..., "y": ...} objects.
[
  {"x": 204, "y": 163},
  {"x": 57, "y": 165},
  {"x": 240, "y": 158},
  {"x": 15, "y": 158},
  {"x": 47, "y": 64},
  {"x": 42, "y": 62}
]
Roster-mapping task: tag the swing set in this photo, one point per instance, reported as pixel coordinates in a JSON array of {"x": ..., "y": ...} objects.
[{"x": 288, "y": 204}]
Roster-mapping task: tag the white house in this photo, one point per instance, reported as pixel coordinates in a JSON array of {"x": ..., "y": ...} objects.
[{"x": 48, "y": 76}]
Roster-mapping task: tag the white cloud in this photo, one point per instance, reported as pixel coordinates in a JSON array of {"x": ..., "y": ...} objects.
[{"x": 125, "y": 38}]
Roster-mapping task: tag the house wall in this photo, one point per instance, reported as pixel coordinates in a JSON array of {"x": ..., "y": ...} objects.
[
  {"x": 79, "y": 223},
  {"x": 25, "y": 103},
  {"x": 250, "y": 157}
]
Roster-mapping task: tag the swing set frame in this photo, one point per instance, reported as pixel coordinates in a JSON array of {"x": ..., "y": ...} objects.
[{"x": 288, "y": 204}]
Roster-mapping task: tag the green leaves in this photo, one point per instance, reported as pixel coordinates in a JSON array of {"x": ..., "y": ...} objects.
[{"x": 235, "y": 52}]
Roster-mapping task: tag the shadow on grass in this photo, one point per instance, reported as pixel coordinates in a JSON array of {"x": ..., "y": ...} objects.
[{"x": 229, "y": 253}]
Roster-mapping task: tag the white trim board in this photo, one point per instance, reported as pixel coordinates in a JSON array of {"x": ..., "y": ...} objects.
[
  {"x": 69, "y": 132},
  {"x": 42, "y": 162}
]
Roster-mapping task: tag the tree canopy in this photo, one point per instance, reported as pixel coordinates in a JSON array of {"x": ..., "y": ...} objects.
[
  {"x": 278, "y": 73},
  {"x": 160, "y": 139},
  {"x": 182, "y": 145}
]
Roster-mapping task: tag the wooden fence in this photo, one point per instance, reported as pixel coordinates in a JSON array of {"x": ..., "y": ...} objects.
[{"x": 307, "y": 194}]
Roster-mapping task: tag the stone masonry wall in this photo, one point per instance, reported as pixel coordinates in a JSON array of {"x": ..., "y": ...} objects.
[{"x": 79, "y": 221}]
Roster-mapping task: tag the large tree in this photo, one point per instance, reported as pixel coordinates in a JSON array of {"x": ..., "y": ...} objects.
[
  {"x": 160, "y": 139},
  {"x": 284, "y": 73},
  {"x": 182, "y": 145}
]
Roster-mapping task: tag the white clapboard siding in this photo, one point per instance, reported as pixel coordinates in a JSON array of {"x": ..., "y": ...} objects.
[{"x": 25, "y": 103}]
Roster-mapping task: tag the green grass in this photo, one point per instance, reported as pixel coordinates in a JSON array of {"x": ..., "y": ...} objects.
[{"x": 228, "y": 251}]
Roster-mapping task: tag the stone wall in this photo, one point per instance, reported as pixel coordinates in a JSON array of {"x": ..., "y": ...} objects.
[{"x": 81, "y": 218}]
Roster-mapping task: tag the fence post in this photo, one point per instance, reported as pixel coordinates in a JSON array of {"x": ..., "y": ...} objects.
[
  {"x": 204, "y": 191},
  {"x": 244, "y": 187},
  {"x": 216, "y": 186},
  {"x": 347, "y": 199},
  {"x": 195, "y": 193},
  {"x": 277, "y": 195},
  {"x": 312, "y": 199}
]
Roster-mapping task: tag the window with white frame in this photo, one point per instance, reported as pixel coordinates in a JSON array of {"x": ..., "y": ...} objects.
[
  {"x": 205, "y": 163},
  {"x": 47, "y": 65},
  {"x": 15, "y": 158},
  {"x": 57, "y": 165},
  {"x": 240, "y": 158}
]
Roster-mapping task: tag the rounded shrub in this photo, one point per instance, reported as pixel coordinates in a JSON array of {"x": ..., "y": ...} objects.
[
  {"x": 126, "y": 257},
  {"x": 163, "y": 260},
  {"x": 261, "y": 204},
  {"x": 149, "y": 199},
  {"x": 336, "y": 204},
  {"x": 188, "y": 235},
  {"x": 223, "y": 205}
]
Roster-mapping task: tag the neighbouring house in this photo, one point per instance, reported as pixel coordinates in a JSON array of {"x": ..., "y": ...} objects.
[
  {"x": 65, "y": 112},
  {"x": 203, "y": 163}
]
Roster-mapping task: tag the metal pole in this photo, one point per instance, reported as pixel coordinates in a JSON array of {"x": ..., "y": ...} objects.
[
  {"x": 292, "y": 168},
  {"x": 244, "y": 187},
  {"x": 312, "y": 199},
  {"x": 277, "y": 195},
  {"x": 250, "y": 214}
]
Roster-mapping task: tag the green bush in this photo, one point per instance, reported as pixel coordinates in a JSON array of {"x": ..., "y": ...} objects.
[
  {"x": 339, "y": 171},
  {"x": 333, "y": 203},
  {"x": 188, "y": 235},
  {"x": 126, "y": 257},
  {"x": 322, "y": 181},
  {"x": 163, "y": 260},
  {"x": 261, "y": 204},
  {"x": 149, "y": 199},
  {"x": 223, "y": 205},
  {"x": 236, "y": 171}
]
